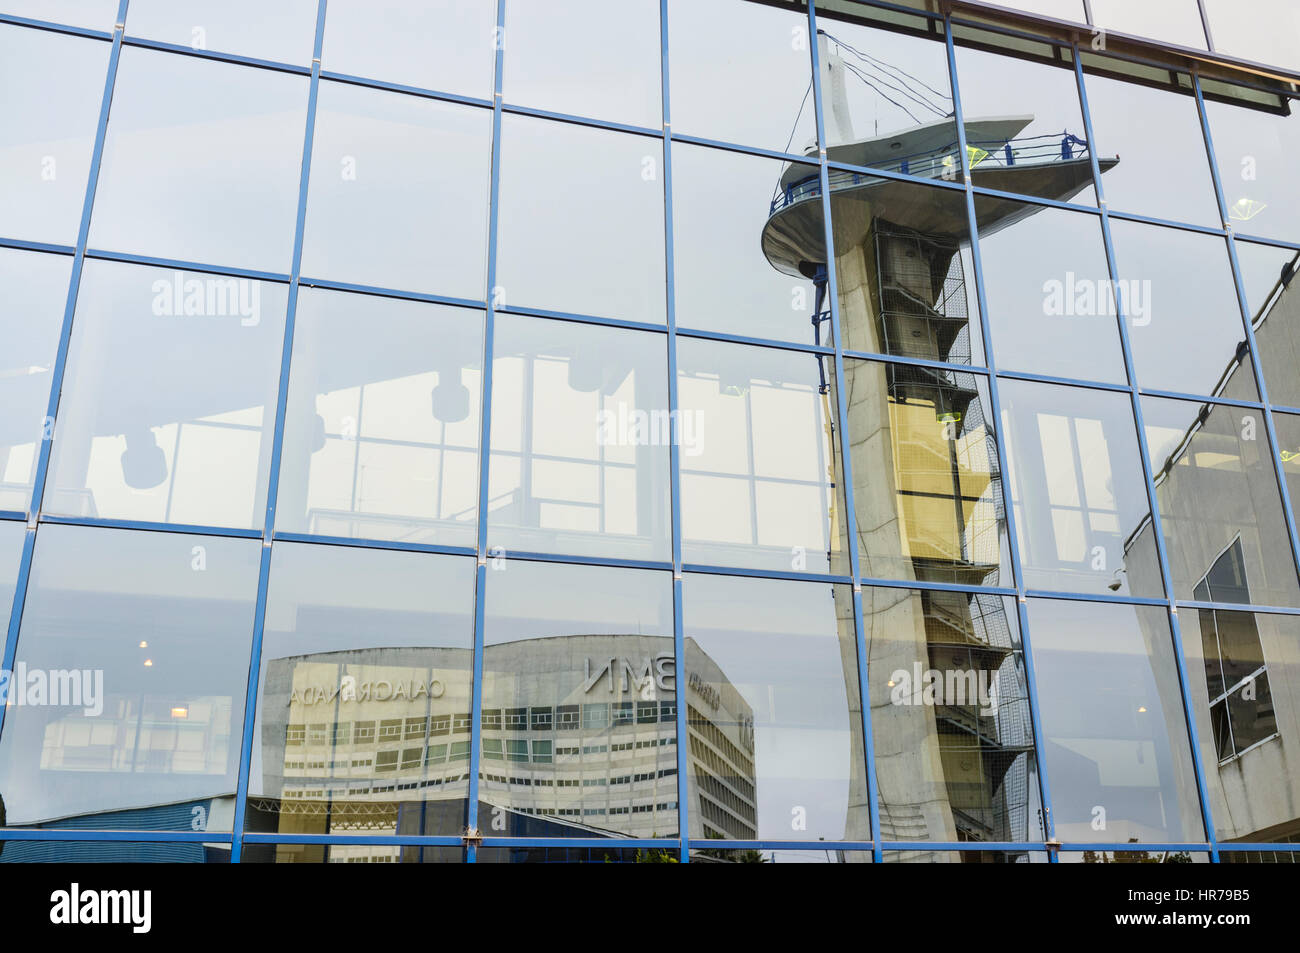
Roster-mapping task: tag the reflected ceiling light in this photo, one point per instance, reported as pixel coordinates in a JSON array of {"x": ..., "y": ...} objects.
[
  {"x": 450, "y": 396},
  {"x": 148, "y": 663},
  {"x": 144, "y": 645},
  {"x": 144, "y": 466},
  {"x": 180, "y": 712},
  {"x": 1244, "y": 209},
  {"x": 1142, "y": 709}
]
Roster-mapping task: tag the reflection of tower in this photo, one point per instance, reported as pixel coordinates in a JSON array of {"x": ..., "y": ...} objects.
[{"x": 927, "y": 485}]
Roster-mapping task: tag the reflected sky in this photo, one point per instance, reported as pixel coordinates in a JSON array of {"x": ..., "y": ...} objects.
[
  {"x": 448, "y": 45},
  {"x": 385, "y": 166},
  {"x": 53, "y": 87},
  {"x": 1165, "y": 311},
  {"x": 284, "y": 31},
  {"x": 1163, "y": 170},
  {"x": 584, "y": 237},
  {"x": 30, "y": 317},
  {"x": 201, "y": 162},
  {"x": 571, "y": 56}
]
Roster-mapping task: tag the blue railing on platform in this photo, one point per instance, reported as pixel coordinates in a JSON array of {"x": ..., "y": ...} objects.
[{"x": 945, "y": 162}]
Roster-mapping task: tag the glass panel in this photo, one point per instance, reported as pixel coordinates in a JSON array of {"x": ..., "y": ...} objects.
[
  {"x": 349, "y": 854},
  {"x": 1111, "y": 710},
  {"x": 358, "y": 639},
  {"x": 927, "y": 490},
  {"x": 741, "y": 73},
  {"x": 12, "y": 535},
  {"x": 725, "y": 281},
  {"x": 587, "y": 654},
  {"x": 950, "y": 715},
  {"x": 1244, "y": 670},
  {"x": 774, "y": 710},
  {"x": 1048, "y": 289},
  {"x": 382, "y": 428},
  {"x": 92, "y": 14},
  {"x": 1288, "y": 439},
  {"x": 963, "y": 857},
  {"x": 580, "y": 440},
  {"x": 759, "y": 486},
  {"x": 888, "y": 100},
  {"x": 1263, "y": 31},
  {"x": 31, "y": 316},
  {"x": 576, "y": 855},
  {"x": 112, "y": 852},
  {"x": 610, "y": 204},
  {"x": 723, "y": 855},
  {"x": 202, "y": 162},
  {"x": 128, "y": 701},
  {"x": 1164, "y": 311},
  {"x": 902, "y": 259},
  {"x": 284, "y": 31},
  {"x": 1153, "y": 142},
  {"x": 571, "y": 56},
  {"x": 1266, "y": 273},
  {"x": 1217, "y": 487},
  {"x": 448, "y": 45},
  {"x": 1023, "y": 122},
  {"x": 1082, "y": 510},
  {"x": 1135, "y": 857},
  {"x": 399, "y": 192},
  {"x": 1169, "y": 21},
  {"x": 1254, "y": 148},
  {"x": 53, "y": 87},
  {"x": 146, "y": 431}
]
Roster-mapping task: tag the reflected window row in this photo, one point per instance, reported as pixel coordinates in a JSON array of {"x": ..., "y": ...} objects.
[
  {"x": 382, "y": 436},
  {"x": 126, "y": 709}
]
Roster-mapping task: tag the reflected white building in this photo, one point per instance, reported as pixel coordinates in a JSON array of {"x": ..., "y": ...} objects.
[{"x": 579, "y": 738}]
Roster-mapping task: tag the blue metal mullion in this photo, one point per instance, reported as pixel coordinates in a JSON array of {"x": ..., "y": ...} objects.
[
  {"x": 219, "y": 56},
  {"x": 61, "y": 355},
  {"x": 1164, "y": 222},
  {"x": 995, "y": 410},
  {"x": 1247, "y": 320},
  {"x": 1153, "y": 499},
  {"x": 49, "y": 26},
  {"x": 674, "y": 454},
  {"x": 421, "y": 91},
  {"x": 24, "y": 245},
  {"x": 846, "y": 461},
  {"x": 277, "y": 447},
  {"x": 485, "y": 434}
]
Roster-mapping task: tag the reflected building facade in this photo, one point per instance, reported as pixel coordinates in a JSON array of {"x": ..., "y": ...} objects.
[{"x": 371, "y": 740}]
